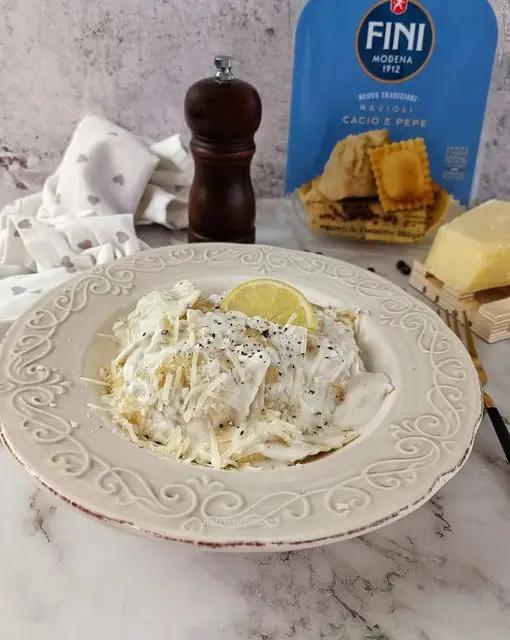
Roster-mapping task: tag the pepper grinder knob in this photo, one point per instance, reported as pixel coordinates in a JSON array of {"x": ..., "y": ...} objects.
[{"x": 223, "y": 65}]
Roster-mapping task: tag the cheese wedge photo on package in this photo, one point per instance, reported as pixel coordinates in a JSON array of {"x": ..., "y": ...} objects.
[{"x": 388, "y": 105}]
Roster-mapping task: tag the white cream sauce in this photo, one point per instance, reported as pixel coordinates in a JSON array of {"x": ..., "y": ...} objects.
[{"x": 228, "y": 390}]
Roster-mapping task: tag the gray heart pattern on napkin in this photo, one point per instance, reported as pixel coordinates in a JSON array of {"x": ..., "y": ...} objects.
[
  {"x": 122, "y": 237},
  {"x": 68, "y": 264},
  {"x": 85, "y": 213}
]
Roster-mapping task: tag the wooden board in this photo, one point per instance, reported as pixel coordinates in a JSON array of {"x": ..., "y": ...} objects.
[{"x": 488, "y": 311}]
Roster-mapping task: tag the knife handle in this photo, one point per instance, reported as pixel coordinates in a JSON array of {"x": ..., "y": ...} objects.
[{"x": 501, "y": 430}]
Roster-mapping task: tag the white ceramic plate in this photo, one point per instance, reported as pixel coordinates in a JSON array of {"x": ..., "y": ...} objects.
[{"x": 420, "y": 439}]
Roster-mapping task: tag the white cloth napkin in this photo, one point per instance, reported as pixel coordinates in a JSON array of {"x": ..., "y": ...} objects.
[{"x": 107, "y": 182}]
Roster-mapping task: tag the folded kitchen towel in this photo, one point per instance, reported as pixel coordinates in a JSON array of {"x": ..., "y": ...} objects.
[{"x": 108, "y": 181}]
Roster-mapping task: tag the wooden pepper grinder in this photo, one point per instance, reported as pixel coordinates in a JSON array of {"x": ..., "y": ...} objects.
[{"x": 223, "y": 114}]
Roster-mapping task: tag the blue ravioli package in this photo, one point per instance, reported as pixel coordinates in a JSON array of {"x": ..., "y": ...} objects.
[{"x": 391, "y": 96}]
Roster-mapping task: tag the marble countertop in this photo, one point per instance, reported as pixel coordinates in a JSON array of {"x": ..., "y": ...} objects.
[{"x": 439, "y": 574}]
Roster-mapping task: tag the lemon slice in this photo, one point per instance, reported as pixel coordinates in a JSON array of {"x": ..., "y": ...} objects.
[{"x": 273, "y": 300}]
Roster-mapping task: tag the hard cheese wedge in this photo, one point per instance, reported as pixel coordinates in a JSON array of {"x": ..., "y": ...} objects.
[{"x": 472, "y": 253}]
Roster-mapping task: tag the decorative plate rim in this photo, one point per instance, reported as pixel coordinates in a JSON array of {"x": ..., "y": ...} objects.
[
  {"x": 273, "y": 545},
  {"x": 152, "y": 257}
]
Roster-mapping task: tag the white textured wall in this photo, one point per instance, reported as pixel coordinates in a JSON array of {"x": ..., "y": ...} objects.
[{"x": 133, "y": 60}]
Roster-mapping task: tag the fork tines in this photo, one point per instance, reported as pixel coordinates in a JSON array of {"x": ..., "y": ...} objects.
[{"x": 451, "y": 318}]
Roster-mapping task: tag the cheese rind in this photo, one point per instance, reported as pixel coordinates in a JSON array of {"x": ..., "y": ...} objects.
[{"x": 472, "y": 253}]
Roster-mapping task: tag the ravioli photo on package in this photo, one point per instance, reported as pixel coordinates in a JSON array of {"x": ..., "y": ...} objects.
[{"x": 388, "y": 104}]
